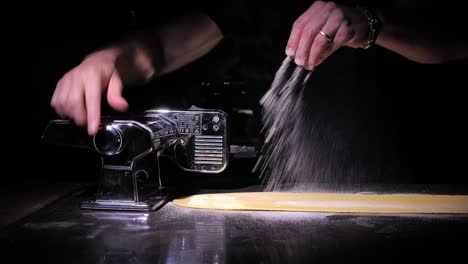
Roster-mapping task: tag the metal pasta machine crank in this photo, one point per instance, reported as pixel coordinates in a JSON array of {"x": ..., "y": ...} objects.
[{"x": 195, "y": 140}]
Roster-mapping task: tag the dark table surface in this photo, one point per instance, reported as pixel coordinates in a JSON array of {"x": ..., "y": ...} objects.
[{"x": 63, "y": 233}]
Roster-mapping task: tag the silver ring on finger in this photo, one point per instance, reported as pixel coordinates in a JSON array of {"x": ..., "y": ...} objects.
[{"x": 328, "y": 37}]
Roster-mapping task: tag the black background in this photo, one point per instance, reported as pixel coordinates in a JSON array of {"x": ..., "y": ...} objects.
[{"x": 410, "y": 116}]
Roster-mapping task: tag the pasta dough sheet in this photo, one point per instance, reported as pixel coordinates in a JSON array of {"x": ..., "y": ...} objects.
[{"x": 330, "y": 202}]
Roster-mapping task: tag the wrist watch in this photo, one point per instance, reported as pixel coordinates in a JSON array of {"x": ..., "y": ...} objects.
[{"x": 375, "y": 25}]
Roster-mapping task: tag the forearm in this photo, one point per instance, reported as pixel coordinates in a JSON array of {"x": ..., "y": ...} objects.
[
  {"x": 167, "y": 48},
  {"x": 186, "y": 40},
  {"x": 421, "y": 38}
]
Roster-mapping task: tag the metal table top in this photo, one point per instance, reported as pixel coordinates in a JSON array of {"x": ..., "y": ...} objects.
[{"x": 64, "y": 233}]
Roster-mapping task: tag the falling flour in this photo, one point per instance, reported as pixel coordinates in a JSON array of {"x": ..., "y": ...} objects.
[
  {"x": 280, "y": 162},
  {"x": 316, "y": 138}
]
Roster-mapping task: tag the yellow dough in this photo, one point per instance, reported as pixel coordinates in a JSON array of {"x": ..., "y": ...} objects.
[{"x": 330, "y": 202}]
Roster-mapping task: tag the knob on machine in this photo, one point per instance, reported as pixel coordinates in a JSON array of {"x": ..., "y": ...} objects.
[{"x": 108, "y": 140}]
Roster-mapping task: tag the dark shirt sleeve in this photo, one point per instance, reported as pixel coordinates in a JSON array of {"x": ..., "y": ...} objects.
[{"x": 232, "y": 17}]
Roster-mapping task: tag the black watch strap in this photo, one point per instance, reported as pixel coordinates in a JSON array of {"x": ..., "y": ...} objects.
[{"x": 375, "y": 25}]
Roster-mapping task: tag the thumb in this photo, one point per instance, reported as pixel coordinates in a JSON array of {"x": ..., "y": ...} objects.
[{"x": 114, "y": 93}]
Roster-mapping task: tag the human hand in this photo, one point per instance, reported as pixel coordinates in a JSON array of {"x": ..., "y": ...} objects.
[
  {"x": 324, "y": 28},
  {"x": 78, "y": 93}
]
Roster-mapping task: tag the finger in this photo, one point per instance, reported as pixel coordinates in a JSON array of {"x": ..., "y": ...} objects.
[
  {"x": 323, "y": 42},
  {"x": 93, "y": 93},
  {"x": 318, "y": 15},
  {"x": 294, "y": 38},
  {"x": 76, "y": 104},
  {"x": 114, "y": 93},
  {"x": 53, "y": 100},
  {"x": 60, "y": 96},
  {"x": 305, "y": 43},
  {"x": 298, "y": 27},
  {"x": 344, "y": 34},
  {"x": 73, "y": 98}
]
